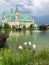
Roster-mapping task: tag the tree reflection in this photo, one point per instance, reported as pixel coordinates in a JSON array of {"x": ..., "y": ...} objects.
[
  {"x": 31, "y": 32},
  {"x": 6, "y": 31},
  {"x": 43, "y": 32},
  {"x": 24, "y": 32}
]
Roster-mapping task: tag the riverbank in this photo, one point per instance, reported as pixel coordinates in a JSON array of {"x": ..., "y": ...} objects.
[{"x": 7, "y": 57}]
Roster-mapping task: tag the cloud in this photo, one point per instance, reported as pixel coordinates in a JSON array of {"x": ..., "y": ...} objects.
[
  {"x": 32, "y": 7},
  {"x": 35, "y": 7}
]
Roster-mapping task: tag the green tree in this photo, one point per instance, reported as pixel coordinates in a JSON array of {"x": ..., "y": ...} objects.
[
  {"x": 24, "y": 27},
  {"x": 0, "y": 26},
  {"x": 31, "y": 27},
  {"x": 6, "y": 25}
]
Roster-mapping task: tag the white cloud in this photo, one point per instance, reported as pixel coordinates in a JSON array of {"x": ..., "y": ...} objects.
[
  {"x": 33, "y": 7},
  {"x": 40, "y": 7}
]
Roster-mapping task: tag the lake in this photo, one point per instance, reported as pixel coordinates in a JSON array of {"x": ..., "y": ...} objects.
[{"x": 39, "y": 38}]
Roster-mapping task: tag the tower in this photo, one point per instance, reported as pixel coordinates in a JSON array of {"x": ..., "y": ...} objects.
[
  {"x": 4, "y": 19},
  {"x": 16, "y": 14},
  {"x": 12, "y": 10}
]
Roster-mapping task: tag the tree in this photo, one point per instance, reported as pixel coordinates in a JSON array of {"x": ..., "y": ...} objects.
[
  {"x": 31, "y": 27},
  {"x": 24, "y": 27},
  {"x": 0, "y": 26},
  {"x": 42, "y": 27},
  {"x": 6, "y": 25}
]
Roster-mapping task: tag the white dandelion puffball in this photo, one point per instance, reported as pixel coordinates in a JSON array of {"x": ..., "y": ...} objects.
[
  {"x": 25, "y": 43},
  {"x": 34, "y": 46},
  {"x": 29, "y": 43},
  {"x": 20, "y": 47}
]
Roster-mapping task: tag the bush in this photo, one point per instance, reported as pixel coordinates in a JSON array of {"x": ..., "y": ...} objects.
[
  {"x": 31, "y": 27},
  {"x": 23, "y": 57},
  {"x": 0, "y": 26},
  {"x": 24, "y": 27},
  {"x": 7, "y": 57},
  {"x": 6, "y": 25}
]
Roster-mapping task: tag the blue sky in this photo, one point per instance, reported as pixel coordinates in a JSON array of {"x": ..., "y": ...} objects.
[{"x": 38, "y": 9}]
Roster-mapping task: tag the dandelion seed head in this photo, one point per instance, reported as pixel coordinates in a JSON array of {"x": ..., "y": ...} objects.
[
  {"x": 34, "y": 46},
  {"x": 25, "y": 43},
  {"x": 20, "y": 47},
  {"x": 29, "y": 43}
]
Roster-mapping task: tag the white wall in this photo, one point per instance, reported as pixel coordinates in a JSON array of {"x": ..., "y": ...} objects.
[{"x": 27, "y": 24}]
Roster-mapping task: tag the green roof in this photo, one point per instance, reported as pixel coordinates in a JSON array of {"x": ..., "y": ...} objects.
[
  {"x": 9, "y": 15},
  {"x": 25, "y": 17},
  {"x": 22, "y": 17}
]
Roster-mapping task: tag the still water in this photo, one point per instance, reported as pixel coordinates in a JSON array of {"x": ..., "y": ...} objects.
[{"x": 39, "y": 38}]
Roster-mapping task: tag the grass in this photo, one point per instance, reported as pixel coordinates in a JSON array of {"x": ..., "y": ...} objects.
[{"x": 23, "y": 57}]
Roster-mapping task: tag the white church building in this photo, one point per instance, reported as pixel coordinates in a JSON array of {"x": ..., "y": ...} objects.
[{"x": 15, "y": 18}]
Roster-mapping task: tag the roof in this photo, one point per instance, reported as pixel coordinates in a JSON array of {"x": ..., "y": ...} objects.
[
  {"x": 9, "y": 16},
  {"x": 22, "y": 17},
  {"x": 25, "y": 17}
]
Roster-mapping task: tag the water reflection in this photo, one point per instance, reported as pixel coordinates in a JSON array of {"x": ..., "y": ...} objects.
[
  {"x": 43, "y": 32},
  {"x": 40, "y": 39},
  {"x": 24, "y": 32},
  {"x": 31, "y": 32},
  {"x": 6, "y": 31}
]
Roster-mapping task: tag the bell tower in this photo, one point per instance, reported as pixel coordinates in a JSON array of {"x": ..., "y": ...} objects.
[{"x": 16, "y": 14}]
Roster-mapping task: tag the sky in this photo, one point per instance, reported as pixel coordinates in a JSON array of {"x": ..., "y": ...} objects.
[{"x": 38, "y": 9}]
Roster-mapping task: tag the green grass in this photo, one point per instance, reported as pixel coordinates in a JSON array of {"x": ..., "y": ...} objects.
[{"x": 23, "y": 57}]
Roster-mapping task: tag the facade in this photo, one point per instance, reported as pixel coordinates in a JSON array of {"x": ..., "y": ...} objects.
[{"x": 17, "y": 19}]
